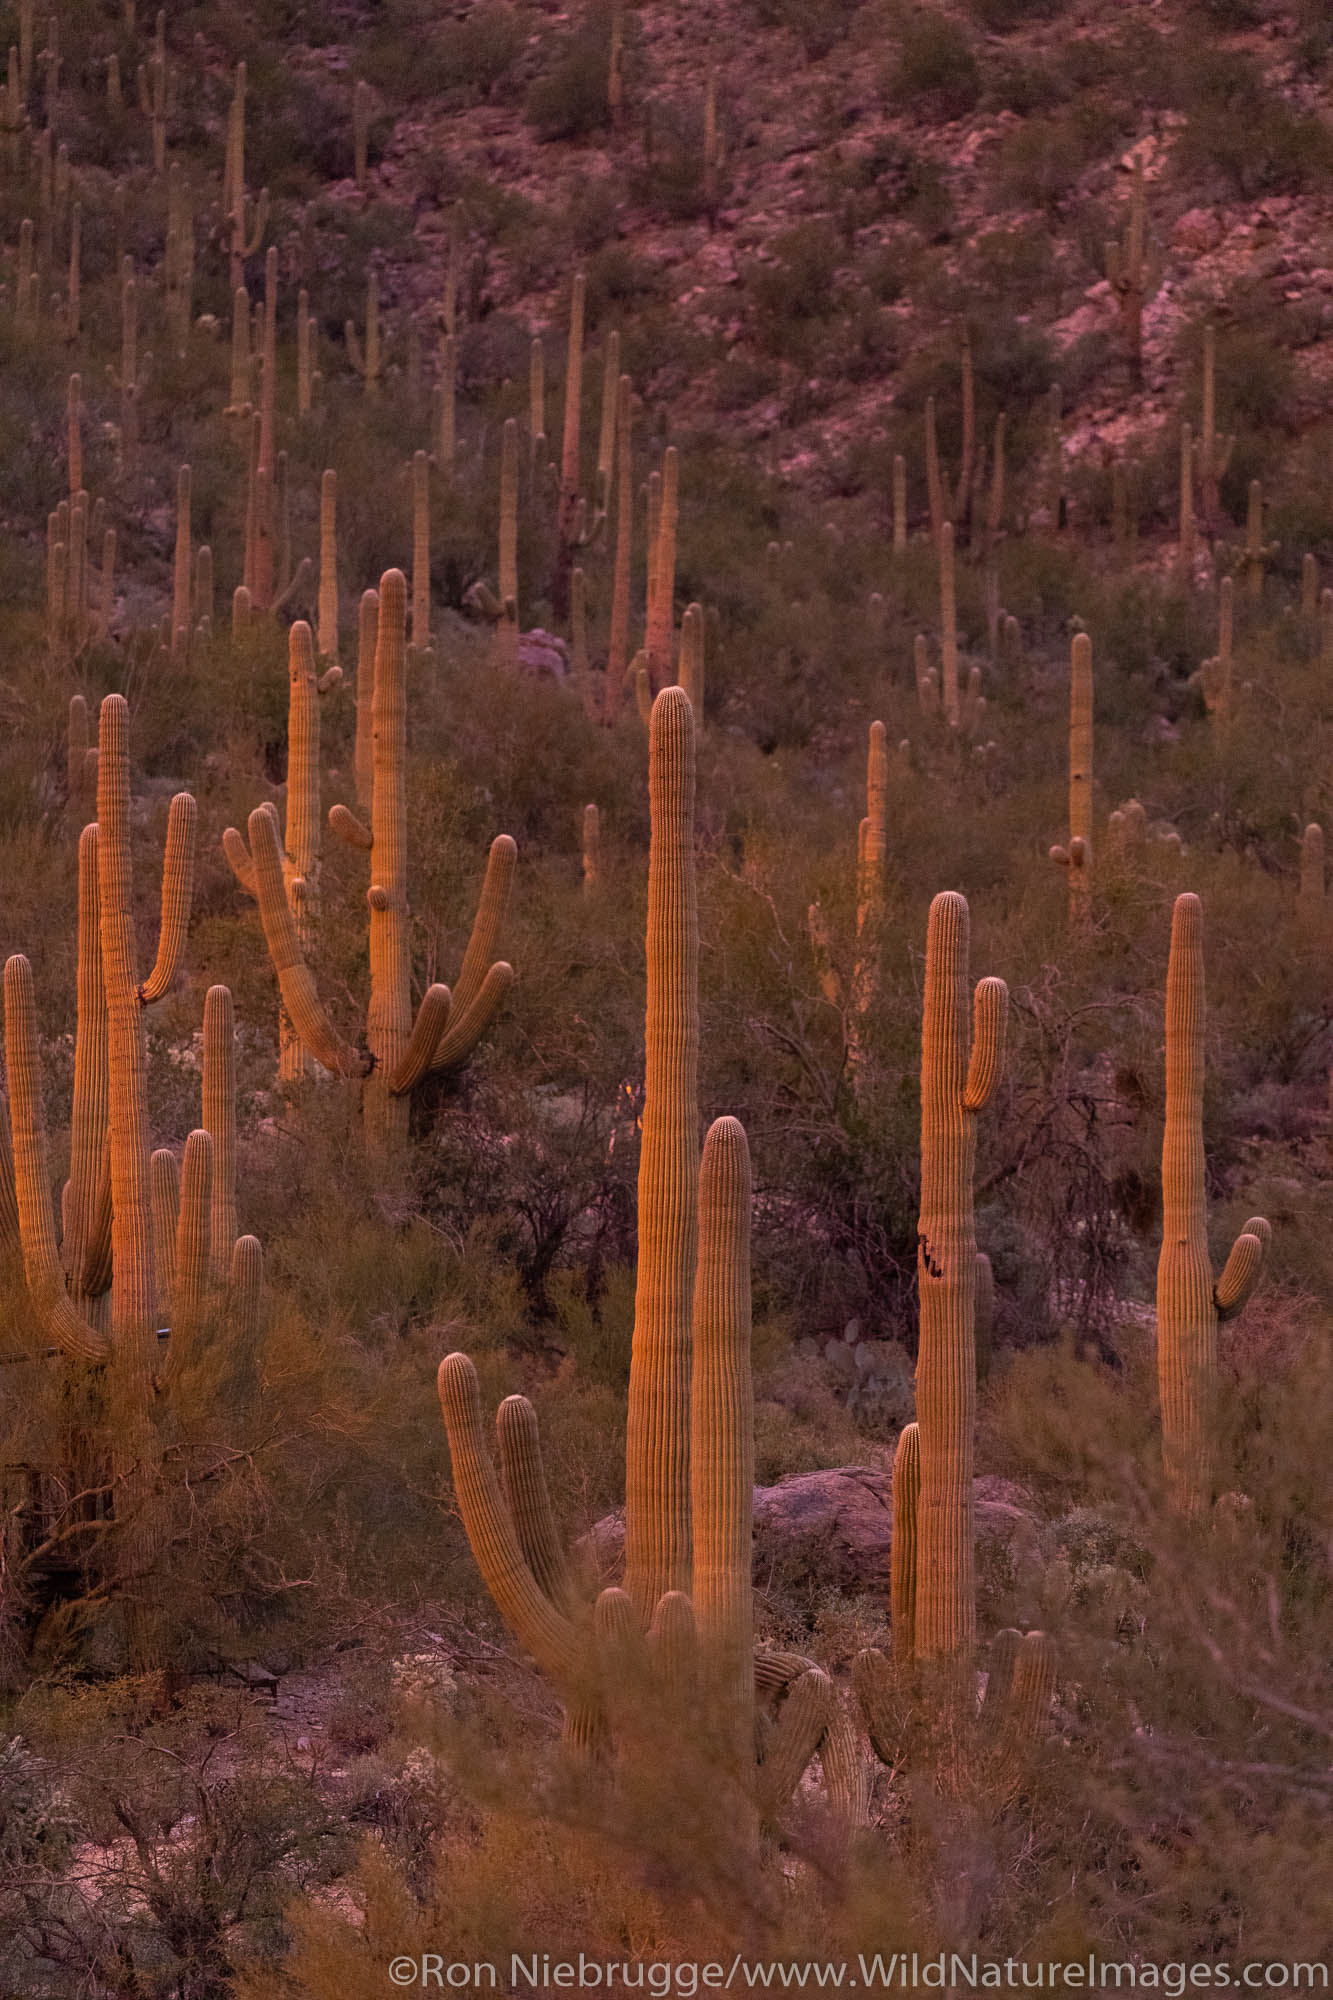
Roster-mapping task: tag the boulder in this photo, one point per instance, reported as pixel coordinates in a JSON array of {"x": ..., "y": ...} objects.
[{"x": 838, "y": 1524}]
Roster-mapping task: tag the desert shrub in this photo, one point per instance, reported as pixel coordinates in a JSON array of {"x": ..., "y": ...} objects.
[
  {"x": 413, "y": 55},
  {"x": 1242, "y": 131},
  {"x": 1042, "y": 160},
  {"x": 671, "y": 179},
  {"x": 936, "y": 72},
  {"x": 820, "y": 24},
  {"x": 1002, "y": 16},
  {"x": 890, "y": 178},
  {"x": 1228, "y": 14},
  {"x": 568, "y": 98},
  {"x": 794, "y": 291},
  {"x": 198, "y": 1852},
  {"x": 1021, "y": 85}
]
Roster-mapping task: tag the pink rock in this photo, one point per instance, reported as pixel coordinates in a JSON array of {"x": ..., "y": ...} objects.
[{"x": 1197, "y": 229}]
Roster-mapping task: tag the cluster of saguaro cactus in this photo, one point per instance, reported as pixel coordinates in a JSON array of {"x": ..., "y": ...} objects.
[
  {"x": 136, "y": 1238},
  {"x": 1190, "y": 1304},
  {"x": 398, "y": 1052},
  {"x": 678, "y": 1638}
]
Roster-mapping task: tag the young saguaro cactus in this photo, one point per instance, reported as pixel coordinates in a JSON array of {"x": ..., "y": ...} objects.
[
  {"x": 1190, "y": 1305},
  {"x": 398, "y": 1051},
  {"x": 957, "y": 1082},
  {"x": 1077, "y": 856}
]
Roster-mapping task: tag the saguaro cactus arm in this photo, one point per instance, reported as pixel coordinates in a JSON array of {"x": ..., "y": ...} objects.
[
  {"x": 295, "y": 980},
  {"x": 424, "y": 1041},
  {"x": 523, "y": 1477},
  {"x": 481, "y": 984},
  {"x": 1243, "y": 1268},
  {"x": 526, "y": 1608},
  {"x": 990, "y": 1015},
  {"x": 177, "y": 895}
]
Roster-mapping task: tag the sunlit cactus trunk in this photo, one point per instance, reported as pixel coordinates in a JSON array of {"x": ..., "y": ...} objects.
[
  {"x": 657, "y": 1518},
  {"x": 955, "y": 1085},
  {"x": 1189, "y": 1304}
]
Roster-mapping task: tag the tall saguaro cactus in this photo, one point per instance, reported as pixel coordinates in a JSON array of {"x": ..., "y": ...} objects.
[
  {"x": 1190, "y": 1306},
  {"x": 657, "y": 1526},
  {"x": 957, "y": 1082},
  {"x": 668, "y": 1659},
  {"x": 1077, "y": 856}
]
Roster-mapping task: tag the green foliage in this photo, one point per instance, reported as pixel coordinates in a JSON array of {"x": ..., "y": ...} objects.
[
  {"x": 819, "y": 24},
  {"x": 413, "y": 55},
  {"x": 936, "y": 71},
  {"x": 568, "y": 99},
  {"x": 1241, "y": 131}
]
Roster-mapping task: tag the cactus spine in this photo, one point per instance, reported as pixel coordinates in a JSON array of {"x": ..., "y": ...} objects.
[
  {"x": 956, "y": 1084},
  {"x": 1189, "y": 1304}
]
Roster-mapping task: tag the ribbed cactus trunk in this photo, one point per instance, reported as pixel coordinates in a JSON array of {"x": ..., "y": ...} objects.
[
  {"x": 303, "y": 823},
  {"x": 722, "y": 1441},
  {"x": 328, "y": 565},
  {"x": 219, "y": 1121},
  {"x": 657, "y": 1471},
  {"x": 134, "y": 1281},
  {"x": 1186, "y": 1317},
  {"x": 871, "y": 854},
  {"x": 389, "y": 1020},
  {"x": 86, "y": 1247},
  {"x": 954, "y": 1087},
  {"x": 1077, "y": 856}
]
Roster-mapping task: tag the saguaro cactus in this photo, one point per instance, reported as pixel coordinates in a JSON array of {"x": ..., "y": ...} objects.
[
  {"x": 110, "y": 1123},
  {"x": 1190, "y": 1305},
  {"x": 1134, "y": 272},
  {"x": 1312, "y": 869},
  {"x": 1077, "y": 856},
  {"x": 657, "y": 1532},
  {"x": 956, "y": 1084},
  {"x": 300, "y": 851},
  {"x": 653, "y": 1662},
  {"x": 398, "y": 1052}
]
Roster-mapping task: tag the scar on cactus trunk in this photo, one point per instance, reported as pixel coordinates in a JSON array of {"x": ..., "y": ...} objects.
[
  {"x": 664, "y": 1669},
  {"x": 1190, "y": 1306}
]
